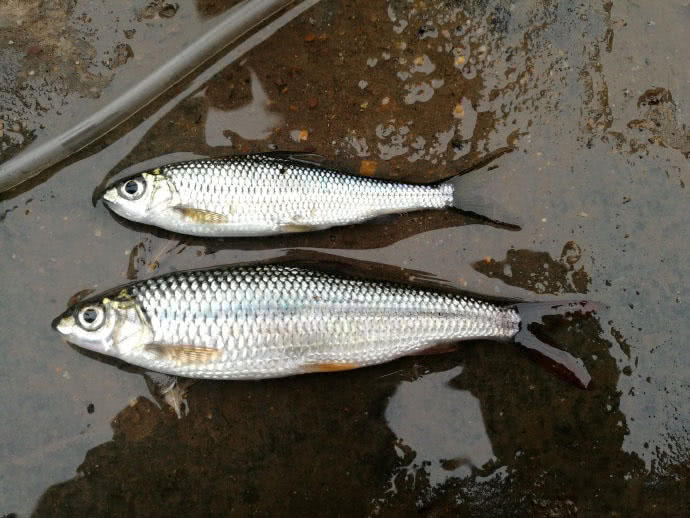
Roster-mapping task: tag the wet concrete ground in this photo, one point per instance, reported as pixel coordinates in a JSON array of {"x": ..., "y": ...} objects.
[{"x": 578, "y": 114}]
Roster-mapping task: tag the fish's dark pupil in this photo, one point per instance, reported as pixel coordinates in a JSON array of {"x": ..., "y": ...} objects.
[
  {"x": 90, "y": 316},
  {"x": 131, "y": 187}
]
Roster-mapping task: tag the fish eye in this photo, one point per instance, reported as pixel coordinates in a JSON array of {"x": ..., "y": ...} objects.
[
  {"x": 132, "y": 189},
  {"x": 91, "y": 317}
]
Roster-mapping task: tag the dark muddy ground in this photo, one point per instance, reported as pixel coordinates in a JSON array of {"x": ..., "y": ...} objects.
[{"x": 578, "y": 113}]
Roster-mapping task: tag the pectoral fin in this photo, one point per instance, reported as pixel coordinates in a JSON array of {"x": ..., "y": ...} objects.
[
  {"x": 184, "y": 354},
  {"x": 201, "y": 215}
]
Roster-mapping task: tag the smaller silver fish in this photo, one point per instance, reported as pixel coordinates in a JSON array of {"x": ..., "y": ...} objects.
[{"x": 274, "y": 193}]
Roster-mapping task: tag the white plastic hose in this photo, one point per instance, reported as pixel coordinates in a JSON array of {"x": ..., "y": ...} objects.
[{"x": 35, "y": 158}]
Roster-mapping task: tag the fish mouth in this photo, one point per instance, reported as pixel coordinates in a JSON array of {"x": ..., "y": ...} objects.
[
  {"x": 109, "y": 197},
  {"x": 63, "y": 324},
  {"x": 100, "y": 192}
]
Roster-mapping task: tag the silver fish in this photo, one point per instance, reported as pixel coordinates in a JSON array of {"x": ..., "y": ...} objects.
[
  {"x": 272, "y": 193},
  {"x": 267, "y": 321}
]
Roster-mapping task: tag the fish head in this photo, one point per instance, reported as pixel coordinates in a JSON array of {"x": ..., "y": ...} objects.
[
  {"x": 142, "y": 197},
  {"x": 113, "y": 326}
]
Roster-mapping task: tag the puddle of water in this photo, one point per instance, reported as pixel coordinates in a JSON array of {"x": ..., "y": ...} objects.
[
  {"x": 600, "y": 192},
  {"x": 456, "y": 443},
  {"x": 253, "y": 121}
]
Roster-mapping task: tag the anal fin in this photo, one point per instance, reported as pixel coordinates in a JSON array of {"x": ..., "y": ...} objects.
[
  {"x": 330, "y": 367},
  {"x": 436, "y": 349},
  {"x": 295, "y": 227}
]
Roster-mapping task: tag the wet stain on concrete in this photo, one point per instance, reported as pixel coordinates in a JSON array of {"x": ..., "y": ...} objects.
[{"x": 577, "y": 116}]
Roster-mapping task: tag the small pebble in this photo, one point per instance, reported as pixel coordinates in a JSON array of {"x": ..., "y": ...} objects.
[
  {"x": 367, "y": 167},
  {"x": 385, "y": 100},
  {"x": 299, "y": 135}
]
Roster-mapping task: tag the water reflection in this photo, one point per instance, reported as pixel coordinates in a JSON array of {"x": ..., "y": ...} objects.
[
  {"x": 253, "y": 121},
  {"x": 443, "y": 426}
]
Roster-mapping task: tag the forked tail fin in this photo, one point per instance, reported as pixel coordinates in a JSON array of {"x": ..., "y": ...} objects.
[
  {"x": 562, "y": 362},
  {"x": 474, "y": 192}
]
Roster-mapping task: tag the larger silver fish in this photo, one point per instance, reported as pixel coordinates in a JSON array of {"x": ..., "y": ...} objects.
[
  {"x": 272, "y": 193},
  {"x": 268, "y": 321}
]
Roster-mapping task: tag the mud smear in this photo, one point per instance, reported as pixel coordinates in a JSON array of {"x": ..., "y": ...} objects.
[
  {"x": 660, "y": 121},
  {"x": 538, "y": 271}
]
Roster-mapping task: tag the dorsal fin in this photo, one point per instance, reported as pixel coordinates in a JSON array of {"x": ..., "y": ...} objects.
[{"x": 312, "y": 159}]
